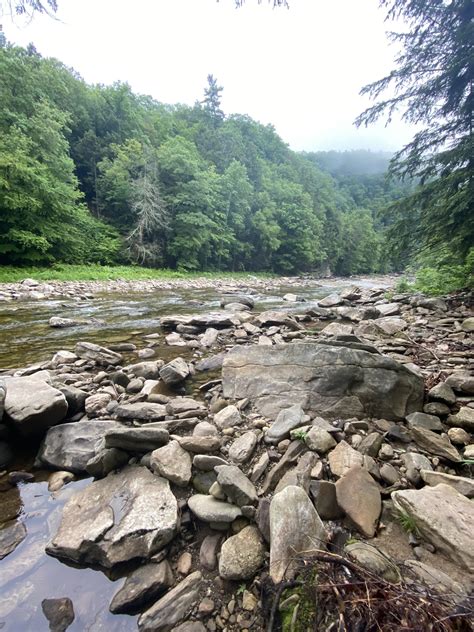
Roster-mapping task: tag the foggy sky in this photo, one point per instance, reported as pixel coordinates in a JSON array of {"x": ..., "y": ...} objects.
[{"x": 299, "y": 69}]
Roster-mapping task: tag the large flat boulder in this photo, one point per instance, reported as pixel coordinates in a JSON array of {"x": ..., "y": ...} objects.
[
  {"x": 70, "y": 446},
  {"x": 325, "y": 379},
  {"x": 32, "y": 405},
  {"x": 125, "y": 516},
  {"x": 444, "y": 517}
]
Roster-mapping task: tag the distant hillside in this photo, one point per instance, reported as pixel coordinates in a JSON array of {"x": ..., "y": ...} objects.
[{"x": 357, "y": 162}]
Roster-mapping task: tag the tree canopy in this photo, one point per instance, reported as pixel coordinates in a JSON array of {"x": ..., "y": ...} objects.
[{"x": 432, "y": 85}]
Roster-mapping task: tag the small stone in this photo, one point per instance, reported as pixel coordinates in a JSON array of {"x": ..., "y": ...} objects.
[
  {"x": 343, "y": 458},
  {"x": 208, "y": 551},
  {"x": 319, "y": 440},
  {"x": 243, "y": 447},
  {"x": 370, "y": 445},
  {"x": 424, "y": 421},
  {"x": 286, "y": 421},
  {"x": 184, "y": 563},
  {"x": 56, "y": 480},
  {"x": 463, "y": 419},
  {"x": 228, "y": 417},
  {"x": 59, "y": 613},
  {"x": 241, "y": 555},
  {"x": 324, "y": 497},
  {"x": 249, "y": 601},
  {"x": 359, "y": 497},
  {"x": 389, "y": 474},
  {"x": 236, "y": 485},
  {"x": 209, "y": 509},
  {"x": 141, "y": 587},
  {"x": 442, "y": 392},
  {"x": 173, "y": 463},
  {"x": 174, "y": 372},
  {"x": 459, "y": 436}
]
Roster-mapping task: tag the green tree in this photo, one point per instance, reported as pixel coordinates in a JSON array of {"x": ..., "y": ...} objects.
[
  {"x": 212, "y": 100},
  {"x": 433, "y": 85}
]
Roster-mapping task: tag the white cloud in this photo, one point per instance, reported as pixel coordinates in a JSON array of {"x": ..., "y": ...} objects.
[{"x": 299, "y": 69}]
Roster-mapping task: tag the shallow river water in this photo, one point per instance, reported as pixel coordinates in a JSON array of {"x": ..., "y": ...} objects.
[{"x": 28, "y": 575}]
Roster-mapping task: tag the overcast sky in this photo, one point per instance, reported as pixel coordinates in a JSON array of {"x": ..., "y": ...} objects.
[{"x": 299, "y": 69}]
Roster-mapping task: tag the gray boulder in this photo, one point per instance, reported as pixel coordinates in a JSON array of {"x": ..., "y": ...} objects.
[
  {"x": 236, "y": 485},
  {"x": 172, "y": 462},
  {"x": 209, "y": 509},
  {"x": 144, "y": 585},
  {"x": 71, "y": 446},
  {"x": 287, "y": 420},
  {"x": 32, "y": 405},
  {"x": 175, "y": 371},
  {"x": 122, "y": 517},
  {"x": 137, "y": 439},
  {"x": 141, "y": 410},
  {"x": 359, "y": 497},
  {"x": 444, "y": 517},
  {"x": 332, "y": 380},
  {"x": 294, "y": 527}
]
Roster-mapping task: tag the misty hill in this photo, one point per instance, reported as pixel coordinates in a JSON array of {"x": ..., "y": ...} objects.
[{"x": 356, "y": 162}]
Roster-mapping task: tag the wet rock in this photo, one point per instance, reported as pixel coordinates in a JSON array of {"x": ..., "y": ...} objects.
[
  {"x": 461, "y": 484},
  {"x": 175, "y": 371},
  {"x": 99, "y": 355},
  {"x": 59, "y": 613},
  {"x": 236, "y": 485},
  {"x": 32, "y": 406},
  {"x": 213, "y": 363},
  {"x": 463, "y": 419},
  {"x": 434, "y": 444},
  {"x": 141, "y": 410},
  {"x": 444, "y": 517},
  {"x": 137, "y": 439},
  {"x": 61, "y": 323},
  {"x": 209, "y": 509},
  {"x": 70, "y": 446},
  {"x": 424, "y": 421},
  {"x": 11, "y": 535},
  {"x": 243, "y": 447},
  {"x": 359, "y": 497},
  {"x": 343, "y": 458},
  {"x": 128, "y": 515},
  {"x": 144, "y": 585},
  {"x": 248, "y": 301},
  {"x": 273, "y": 317},
  {"x": 337, "y": 379},
  {"x": 173, "y": 607},
  {"x": 372, "y": 559},
  {"x": 172, "y": 462},
  {"x": 242, "y": 555},
  {"x": 294, "y": 527},
  {"x": 228, "y": 417},
  {"x": 324, "y": 498},
  {"x": 287, "y": 420}
]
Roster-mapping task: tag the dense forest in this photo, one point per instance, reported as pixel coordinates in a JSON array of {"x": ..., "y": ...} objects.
[{"x": 93, "y": 173}]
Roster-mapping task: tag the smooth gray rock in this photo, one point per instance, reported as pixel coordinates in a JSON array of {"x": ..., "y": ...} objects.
[
  {"x": 207, "y": 462},
  {"x": 332, "y": 300},
  {"x": 70, "y": 446},
  {"x": 96, "y": 353},
  {"x": 299, "y": 475},
  {"x": 209, "y": 509},
  {"x": 463, "y": 419},
  {"x": 324, "y": 498},
  {"x": 122, "y": 517},
  {"x": 137, "y": 439},
  {"x": 333, "y": 380},
  {"x": 236, "y": 485},
  {"x": 243, "y": 447},
  {"x": 199, "y": 445},
  {"x": 242, "y": 555},
  {"x": 359, "y": 497},
  {"x": 319, "y": 440},
  {"x": 141, "y": 410},
  {"x": 173, "y": 607},
  {"x": 461, "y": 484},
  {"x": 148, "y": 370},
  {"x": 372, "y": 559},
  {"x": 32, "y": 405},
  {"x": 209, "y": 550},
  {"x": 172, "y": 462},
  {"x": 142, "y": 586},
  {"x": 228, "y": 417},
  {"x": 294, "y": 527},
  {"x": 444, "y": 517},
  {"x": 422, "y": 420},
  {"x": 287, "y": 420},
  {"x": 75, "y": 398},
  {"x": 443, "y": 393}
]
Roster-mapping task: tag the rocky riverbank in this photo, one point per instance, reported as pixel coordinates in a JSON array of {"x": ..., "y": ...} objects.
[{"x": 262, "y": 439}]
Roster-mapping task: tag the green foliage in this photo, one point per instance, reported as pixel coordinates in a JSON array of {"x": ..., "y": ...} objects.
[
  {"x": 100, "y": 174},
  {"x": 408, "y": 523},
  {"x": 299, "y": 434},
  {"x": 432, "y": 82},
  {"x": 403, "y": 286}
]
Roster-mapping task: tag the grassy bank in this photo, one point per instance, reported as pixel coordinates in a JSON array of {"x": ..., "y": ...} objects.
[{"x": 11, "y": 274}]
